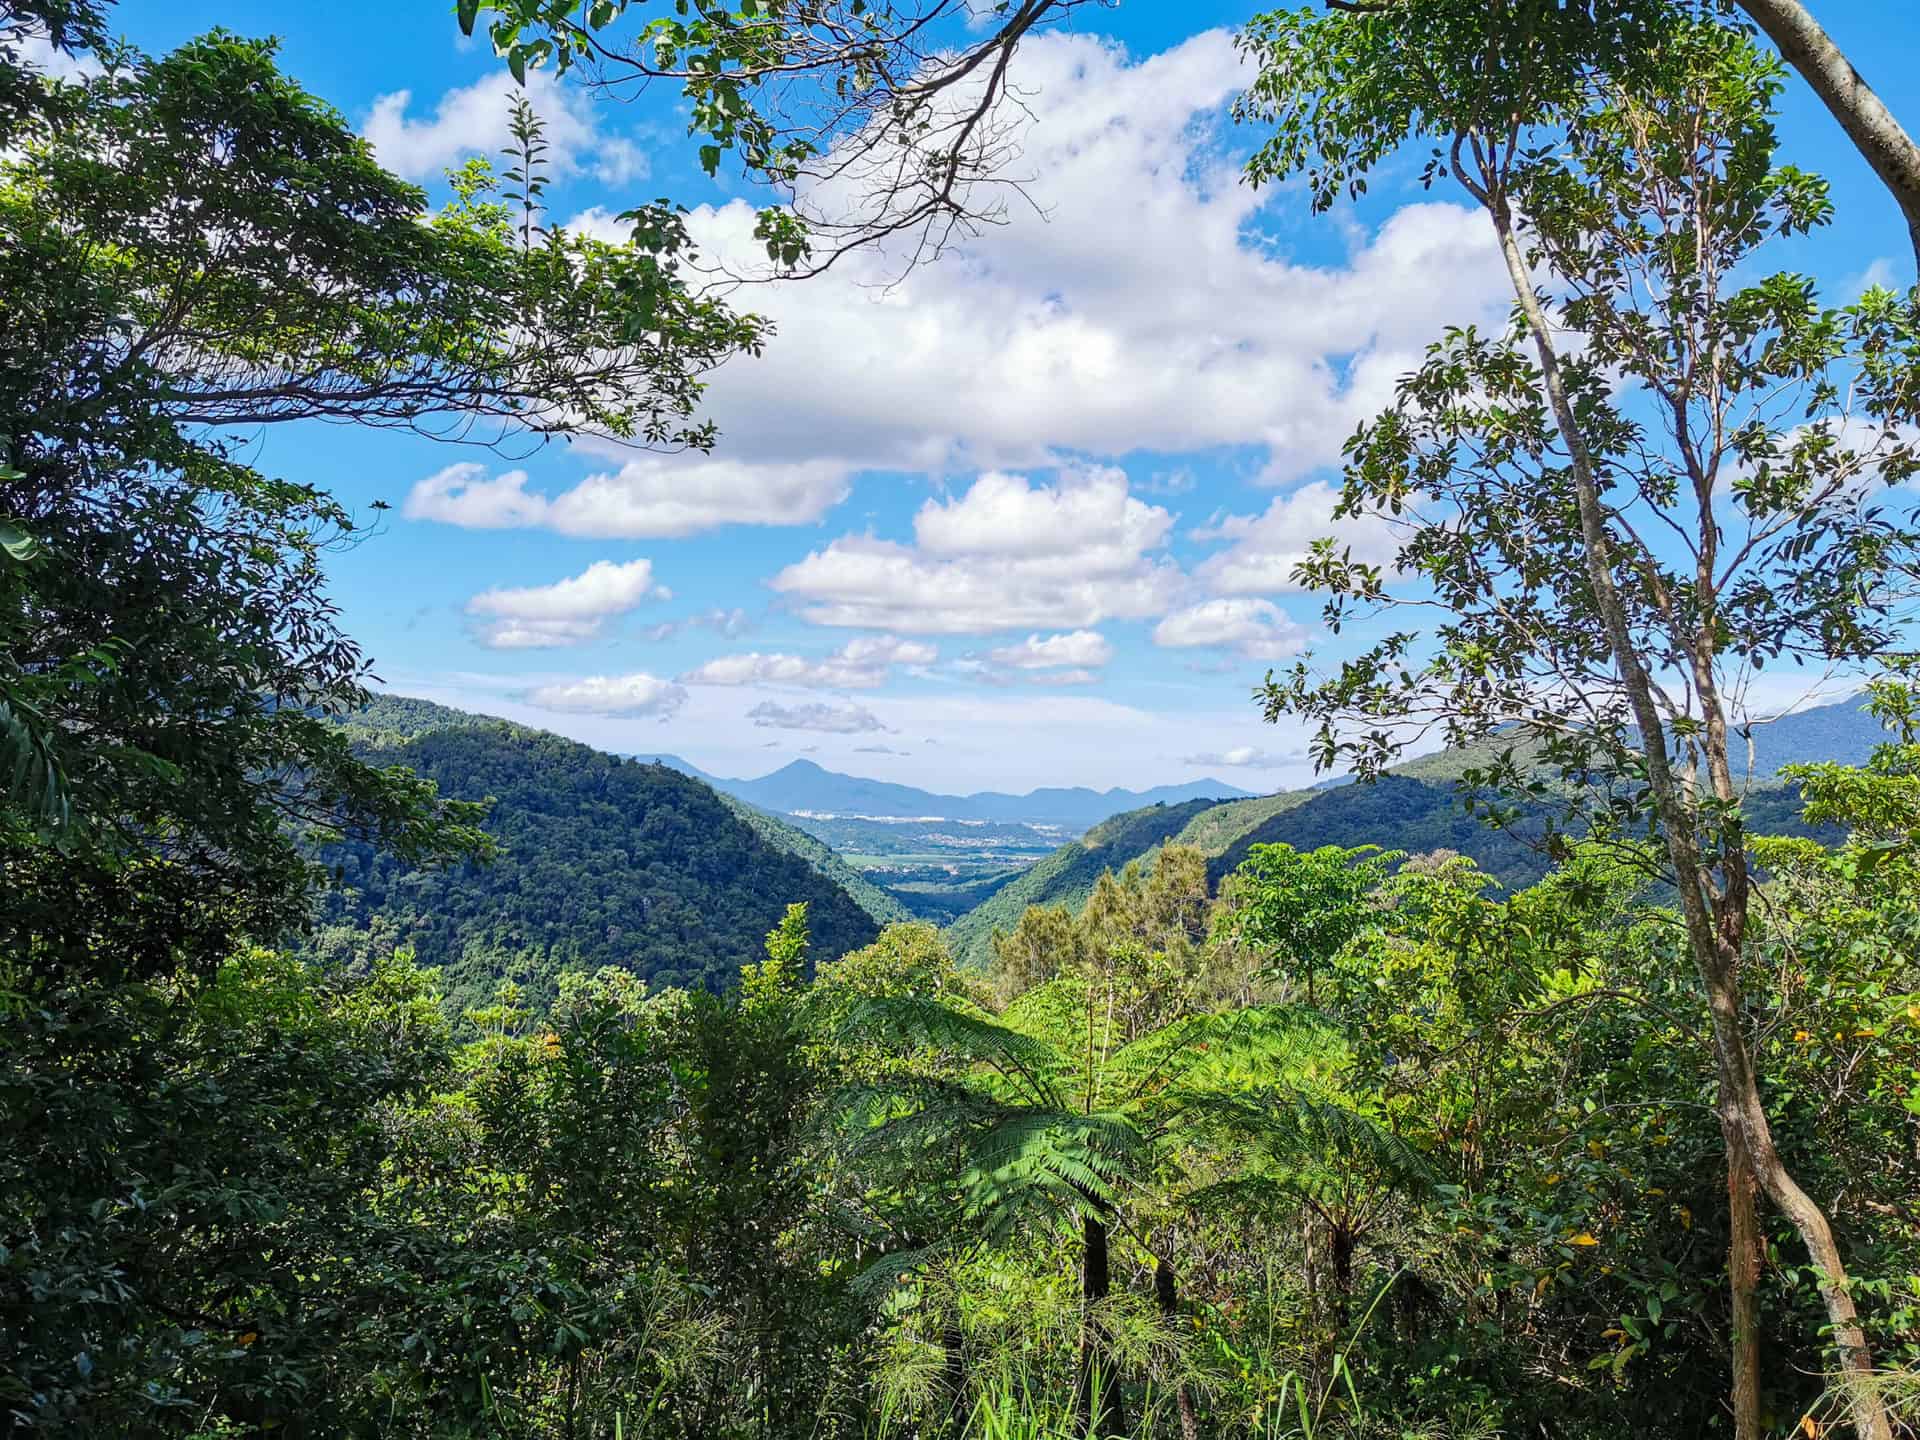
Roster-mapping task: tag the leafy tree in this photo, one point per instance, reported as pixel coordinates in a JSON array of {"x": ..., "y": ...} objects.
[
  {"x": 184, "y": 1197},
  {"x": 199, "y": 244},
  {"x": 194, "y": 243},
  {"x": 1066, "y": 1117},
  {"x": 1615, "y": 32},
  {"x": 1614, "y": 557},
  {"x": 1298, "y": 910}
]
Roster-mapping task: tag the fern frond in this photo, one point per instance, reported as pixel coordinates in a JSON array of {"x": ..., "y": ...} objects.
[
  {"x": 1022, "y": 1058},
  {"x": 1277, "y": 1037},
  {"x": 1309, "y": 1131}
]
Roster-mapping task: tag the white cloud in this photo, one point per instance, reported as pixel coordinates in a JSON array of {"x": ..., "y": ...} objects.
[
  {"x": 1267, "y": 547},
  {"x": 629, "y": 696},
  {"x": 1257, "y": 629},
  {"x": 731, "y": 623},
  {"x": 1134, "y": 306},
  {"x": 1081, "y": 648},
  {"x": 826, "y": 719},
  {"x": 569, "y": 612},
  {"x": 1008, "y": 515},
  {"x": 969, "y": 576},
  {"x": 36, "y": 52},
  {"x": 1250, "y": 757},
  {"x": 860, "y": 664},
  {"x": 650, "y": 497},
  {"x": 472, "y": 120}
]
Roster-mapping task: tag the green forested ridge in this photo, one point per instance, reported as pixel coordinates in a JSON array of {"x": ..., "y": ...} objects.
[
  {"x": 1397, "y": 811},
  {"x": 1068, "y": 875},
  {"x": 389, "y": 717},
  {"x": 601, "y": 861}
]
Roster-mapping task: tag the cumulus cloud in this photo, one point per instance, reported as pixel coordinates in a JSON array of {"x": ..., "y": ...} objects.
[
  {"x": 1256, "y": 629},
  {"x": 860, "y": 664},
  {"x": 636, "y": 696},
  {"x": 1266, "y": 547},
  {"x": 974, "y": 570},
  {"x": 824, "y": 718},
  {"x": 1070, "y": 658},
  {"x": 569, "y": 612},
  {"x": 1135, "y": 307},
  {"x": 1088, "y": 510},
  {"x": 472, "y": 120},
  {"x": 650, "y": 497},
  {"x": 1250, "y": 757},
  {"x": 1082, "y": 648}
]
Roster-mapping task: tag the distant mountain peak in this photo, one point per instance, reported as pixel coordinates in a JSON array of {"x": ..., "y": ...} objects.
[{"x": 804, "y": 786}]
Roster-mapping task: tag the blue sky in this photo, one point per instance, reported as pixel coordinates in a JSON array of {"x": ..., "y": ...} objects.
[{"x": 1025, "y": 518}]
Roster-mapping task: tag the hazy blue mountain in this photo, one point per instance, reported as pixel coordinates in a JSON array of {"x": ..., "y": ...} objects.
[
  {"x": 803, "y": 785},
  {"x": 1843, "y": 732}
]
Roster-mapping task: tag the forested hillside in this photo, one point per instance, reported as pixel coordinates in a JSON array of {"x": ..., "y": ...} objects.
[
  {"x": 602, "y": 861},
  {"x": 1396, "y": 812},
  {"x": 375, "y": 1071},
  {"x": 1069, "y": 874}
]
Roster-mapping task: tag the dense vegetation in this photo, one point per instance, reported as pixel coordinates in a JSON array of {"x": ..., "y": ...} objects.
[
  {"x": 596, "y": 861},
  {"x": 1068, "y": 875},
  {"x": 1399, "y": 811},
  {"x": 1253, "y": 1140}
]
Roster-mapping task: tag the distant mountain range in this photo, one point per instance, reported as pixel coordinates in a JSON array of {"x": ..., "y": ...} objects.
[
  {"x": 803, "y": 787},
  {"x": 677, "y": 875}
]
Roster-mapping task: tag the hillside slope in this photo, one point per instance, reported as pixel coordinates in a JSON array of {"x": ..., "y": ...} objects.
[
  {"x": 881, "y": 907},
  {"x": 1412, "y": 808},
  {"x": 1068, "y": 875},
  {"x": 605, "y": 862}
]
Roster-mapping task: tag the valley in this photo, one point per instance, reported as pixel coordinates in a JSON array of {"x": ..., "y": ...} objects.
[{"x": 649, "y": 833}]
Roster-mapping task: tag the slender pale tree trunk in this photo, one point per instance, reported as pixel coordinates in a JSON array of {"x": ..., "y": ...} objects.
[
  {"x": 1743, "y": 1276},
  {"x": 1714, "y": 939},
  {"x": 1881, "y": 140}
]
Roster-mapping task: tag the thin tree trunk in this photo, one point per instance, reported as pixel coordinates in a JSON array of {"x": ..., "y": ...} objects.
[
  {"x": 1166, "y": 1291},
  {"x": 1713, "y": 940},
  {"x": 1881, "y": 140},
  {"x": 1321, "y": 1353},
  {"x": 1099, "y": 1404},
  {"x": 1743, "y": 1278},
  {"x": 1340, "y": 1246},
  {"x": 953, "y": 1353}
]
